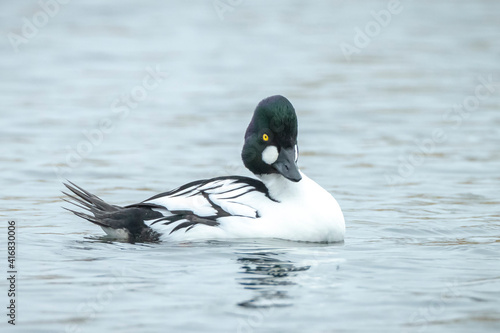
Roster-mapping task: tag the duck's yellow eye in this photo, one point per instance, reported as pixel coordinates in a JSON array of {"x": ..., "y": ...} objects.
[{"x": 265, "y": 137}]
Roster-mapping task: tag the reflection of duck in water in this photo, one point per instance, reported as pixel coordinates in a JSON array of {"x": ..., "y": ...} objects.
[{"x": 266, "y": 274}]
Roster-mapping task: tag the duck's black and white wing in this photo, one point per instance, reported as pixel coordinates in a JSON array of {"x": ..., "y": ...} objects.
[{"x": 206, "y": 202}]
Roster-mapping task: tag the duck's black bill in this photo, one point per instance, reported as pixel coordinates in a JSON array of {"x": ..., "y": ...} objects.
[{"x": 286, "y": 166}]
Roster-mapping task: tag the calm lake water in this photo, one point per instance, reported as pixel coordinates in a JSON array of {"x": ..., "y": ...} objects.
[{"x": 398, "y": 120}]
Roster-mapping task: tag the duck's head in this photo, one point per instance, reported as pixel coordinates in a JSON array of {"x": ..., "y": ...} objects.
[{"x": 271, "y": 139}]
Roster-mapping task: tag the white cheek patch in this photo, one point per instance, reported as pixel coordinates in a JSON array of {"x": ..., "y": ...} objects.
[
  {"x": 270, "y": 155},
  {"x": 296, "y": 153}
]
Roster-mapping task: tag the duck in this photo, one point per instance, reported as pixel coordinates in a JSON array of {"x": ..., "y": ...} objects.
[{"x": 281, "y": 202}]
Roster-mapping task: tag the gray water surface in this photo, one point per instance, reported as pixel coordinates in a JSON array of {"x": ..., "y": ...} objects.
[{"x": 417, "y": 176}]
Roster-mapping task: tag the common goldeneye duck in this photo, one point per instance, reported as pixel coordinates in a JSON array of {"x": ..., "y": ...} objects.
[{"x": 283, "y": 204}]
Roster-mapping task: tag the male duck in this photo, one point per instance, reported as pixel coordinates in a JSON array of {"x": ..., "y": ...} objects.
[{"x": 284, "y": 203}]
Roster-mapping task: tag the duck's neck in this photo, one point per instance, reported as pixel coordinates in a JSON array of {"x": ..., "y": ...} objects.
[{"x": 279, "y": 187}]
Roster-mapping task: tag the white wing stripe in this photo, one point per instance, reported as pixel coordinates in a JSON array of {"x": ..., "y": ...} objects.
[
  {"x": 233, "y": 194},
  {"x": 209, "y": 202}
]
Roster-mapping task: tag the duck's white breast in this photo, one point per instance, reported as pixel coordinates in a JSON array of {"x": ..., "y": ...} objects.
[{"x": 305, "y": 211}]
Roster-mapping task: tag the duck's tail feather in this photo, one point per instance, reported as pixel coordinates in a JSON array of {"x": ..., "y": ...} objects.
[{"x": 116, "y": 221}]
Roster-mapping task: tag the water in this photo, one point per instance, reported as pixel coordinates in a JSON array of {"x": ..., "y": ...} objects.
[{"x": 417, "y": 181}]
